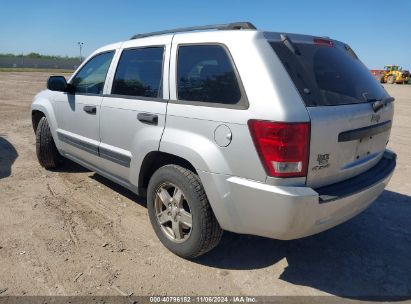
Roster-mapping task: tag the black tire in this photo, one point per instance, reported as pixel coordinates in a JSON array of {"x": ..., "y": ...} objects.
[
  {"x": 205, "y": 231},
  {"x": 47, "y": 153},
  {"x": 391, "y": 79}
]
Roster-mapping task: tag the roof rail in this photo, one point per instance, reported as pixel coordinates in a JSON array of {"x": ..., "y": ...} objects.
[{"x": 227, "y": 26}]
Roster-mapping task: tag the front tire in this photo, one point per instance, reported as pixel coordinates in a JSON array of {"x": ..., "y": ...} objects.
[
  {"x": 180, "y": 213},
  {"x": 47, "y": 153}
]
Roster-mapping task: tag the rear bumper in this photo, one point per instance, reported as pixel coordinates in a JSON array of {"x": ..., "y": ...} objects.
[{"x": 284, "y": 212}]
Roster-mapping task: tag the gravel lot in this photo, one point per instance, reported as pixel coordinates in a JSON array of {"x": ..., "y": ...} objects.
[{"x": 73, "y": 232}]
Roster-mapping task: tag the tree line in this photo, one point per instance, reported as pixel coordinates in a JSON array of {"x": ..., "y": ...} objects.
[{"x": 39, "y": 56}]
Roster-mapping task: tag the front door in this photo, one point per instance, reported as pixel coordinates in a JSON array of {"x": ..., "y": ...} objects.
[{"x": 79, "y": 111}]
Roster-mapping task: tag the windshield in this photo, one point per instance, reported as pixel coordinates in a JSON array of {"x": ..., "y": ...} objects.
[{"x": 328, "y": 75}]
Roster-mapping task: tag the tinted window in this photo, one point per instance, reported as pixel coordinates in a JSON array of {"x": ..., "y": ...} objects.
[
  {"x": 329, "y": 75},
  {"x": 205, "y": 73},
  {"x": 139, "y": 72},
  {"x": 91, "y": 77}
]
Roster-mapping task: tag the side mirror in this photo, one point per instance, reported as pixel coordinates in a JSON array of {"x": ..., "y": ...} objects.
[{"x": 57, "y": 83}]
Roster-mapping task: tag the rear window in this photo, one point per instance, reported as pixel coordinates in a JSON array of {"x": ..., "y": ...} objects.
[
  {"x": 205, "y": 74},
  {"x": 328, "y": 75}
]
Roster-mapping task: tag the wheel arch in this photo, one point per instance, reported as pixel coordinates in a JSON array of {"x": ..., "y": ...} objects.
[
  {"x": 155, "y": 160},
  {"x": 43, "y": 108},
  {"x": 36, "y": 115}
]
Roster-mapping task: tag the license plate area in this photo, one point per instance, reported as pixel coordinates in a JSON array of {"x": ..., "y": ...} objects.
[{"x": 364, "y": 147}]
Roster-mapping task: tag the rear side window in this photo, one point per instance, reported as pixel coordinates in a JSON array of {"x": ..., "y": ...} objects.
[
  {"x": 139, "y": 73},
  {"x": 328, "y": 75},
  {"x": 205, "y": 74},
  {"x": 90, "y": 79}
]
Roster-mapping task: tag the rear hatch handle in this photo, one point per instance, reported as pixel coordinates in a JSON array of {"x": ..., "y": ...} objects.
[{"x": 364, "y": 132}]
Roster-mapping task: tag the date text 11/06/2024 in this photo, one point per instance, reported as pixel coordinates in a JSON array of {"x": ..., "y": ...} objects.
[{"x": 203, "y": 299}]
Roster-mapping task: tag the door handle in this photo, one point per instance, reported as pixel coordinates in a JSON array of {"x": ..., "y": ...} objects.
[
  {"x": 90, "y": 109},
  {"x": 148, "y": 118}
]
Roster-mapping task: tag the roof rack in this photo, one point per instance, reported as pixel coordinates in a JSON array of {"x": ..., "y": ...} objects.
[{"x": 227, "y": 26}]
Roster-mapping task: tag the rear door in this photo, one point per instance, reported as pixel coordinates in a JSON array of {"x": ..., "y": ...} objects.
[
  {"x": 347, "y": 136},
  {"x": 133, "y": 113}
]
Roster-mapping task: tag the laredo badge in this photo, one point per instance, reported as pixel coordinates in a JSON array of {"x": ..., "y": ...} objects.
[{"x": 322, "y": 160}]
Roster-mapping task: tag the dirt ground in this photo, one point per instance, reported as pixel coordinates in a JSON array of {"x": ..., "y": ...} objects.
[{"x": 73, "y": 232}]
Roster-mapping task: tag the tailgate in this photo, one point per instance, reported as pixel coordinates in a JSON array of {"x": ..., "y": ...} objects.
[
  {"x": 348, "y": 133},
  {"x": 346, "y": 141}
]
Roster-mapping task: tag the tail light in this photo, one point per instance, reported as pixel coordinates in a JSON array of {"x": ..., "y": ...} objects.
[{"x": 282, "y": 147}]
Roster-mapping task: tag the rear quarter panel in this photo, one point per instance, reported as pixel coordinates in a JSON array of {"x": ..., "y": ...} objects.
[{"x": 190, "y": 128}]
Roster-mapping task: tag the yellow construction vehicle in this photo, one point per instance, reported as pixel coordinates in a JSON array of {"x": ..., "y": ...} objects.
[{"x": 394, "y": 74}]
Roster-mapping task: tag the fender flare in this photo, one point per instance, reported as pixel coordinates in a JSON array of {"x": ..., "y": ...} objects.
[{"x": 44, "y": 106}]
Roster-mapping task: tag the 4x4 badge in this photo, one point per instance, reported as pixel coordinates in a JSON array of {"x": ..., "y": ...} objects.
[{"x": 322, "y": 160}]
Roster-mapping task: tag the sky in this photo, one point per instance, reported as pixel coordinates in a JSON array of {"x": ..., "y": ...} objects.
[{"x": 378, "y": 30}]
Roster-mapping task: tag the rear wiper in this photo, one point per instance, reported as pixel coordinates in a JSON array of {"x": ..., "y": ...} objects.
[
  {"x": 289, "y": 44},
  {"x": 380, "y": 103}
]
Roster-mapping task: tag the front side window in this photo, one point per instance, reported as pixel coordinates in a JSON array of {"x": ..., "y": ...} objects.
[
  {"x": 205, "y": 74},
  {"x": 139, "y": 73},
  {"x": 90, "y": 79}
]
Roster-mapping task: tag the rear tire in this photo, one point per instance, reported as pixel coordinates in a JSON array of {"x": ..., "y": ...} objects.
[
  {"x": 181, "y": 216},
  {"x": 47, "y": 153},
  {"x": 391, "y": 79}
]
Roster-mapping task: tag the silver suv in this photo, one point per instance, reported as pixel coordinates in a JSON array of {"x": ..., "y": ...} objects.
[{"x": 225, "y": 128}]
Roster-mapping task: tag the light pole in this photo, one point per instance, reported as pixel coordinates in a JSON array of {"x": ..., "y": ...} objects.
[{"x": 80, "y": 45}]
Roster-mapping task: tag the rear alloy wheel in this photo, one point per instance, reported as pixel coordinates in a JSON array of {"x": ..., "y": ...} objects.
[
  {"x": 173, "y": 212},
  {"x": 180, "y": 213}
]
